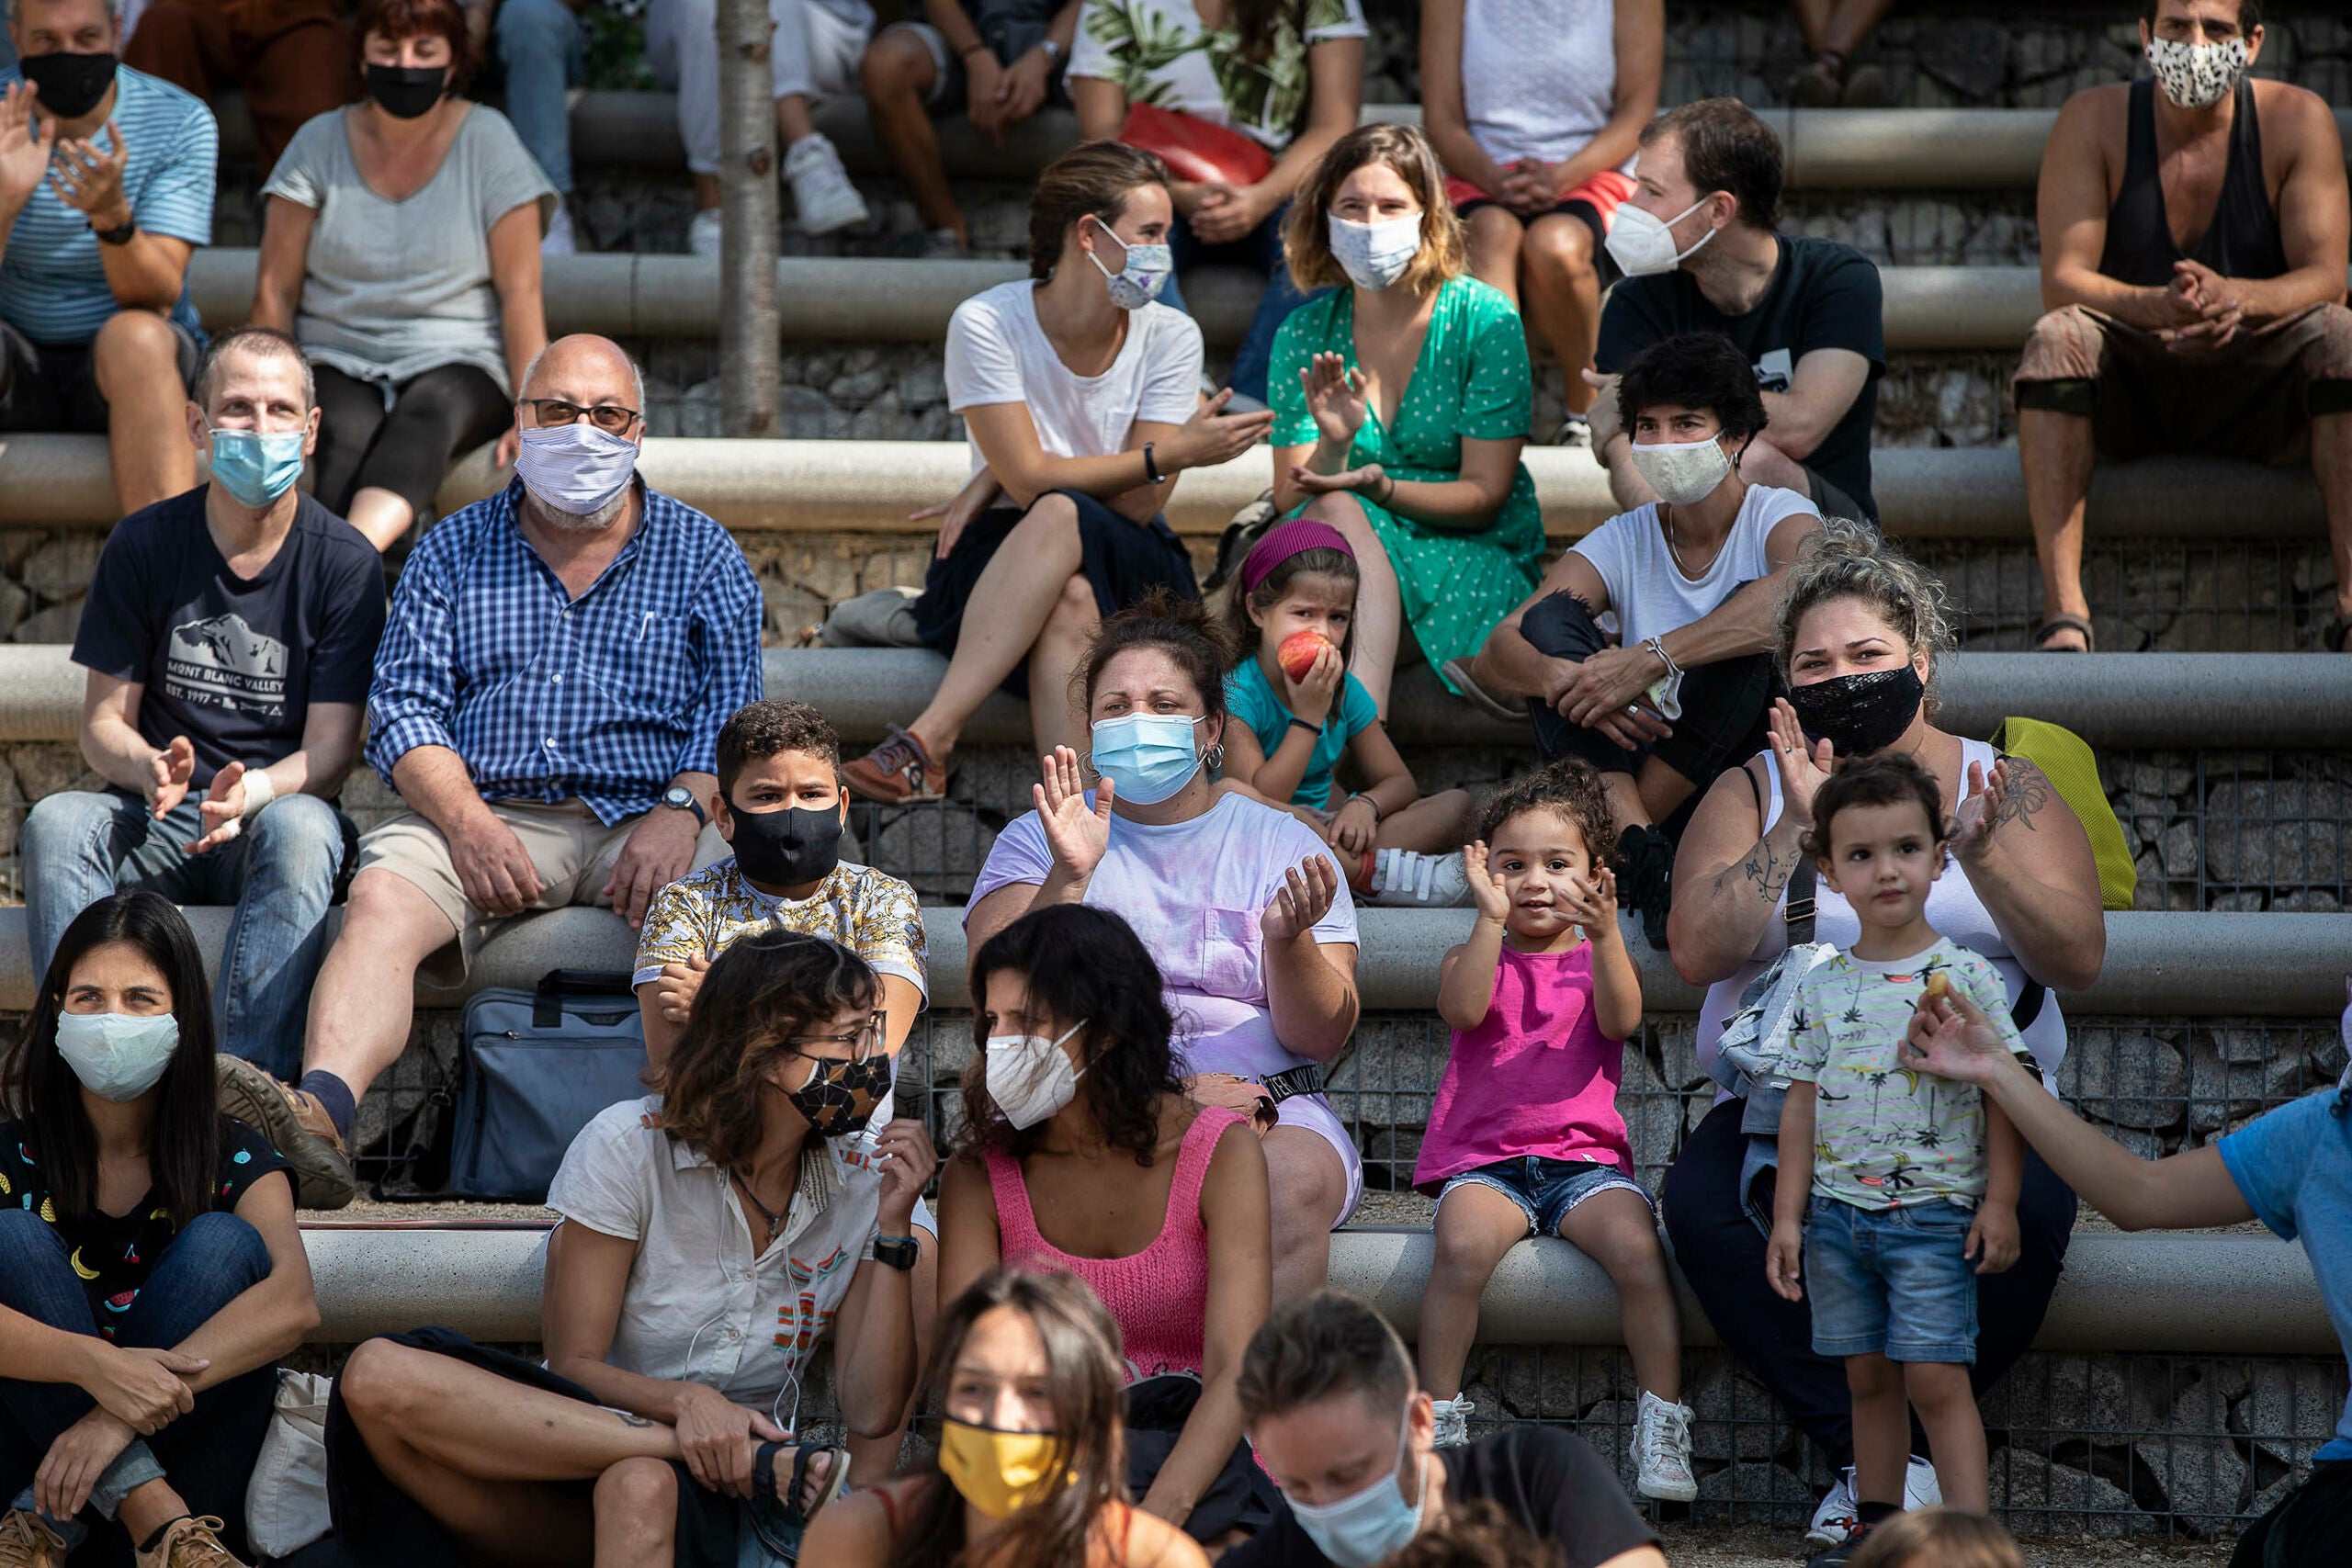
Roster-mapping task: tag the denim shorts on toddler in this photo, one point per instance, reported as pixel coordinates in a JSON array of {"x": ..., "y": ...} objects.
[
  {"x": 1546, "y": 1190},
  {"x": 1894, "y": 1280}
]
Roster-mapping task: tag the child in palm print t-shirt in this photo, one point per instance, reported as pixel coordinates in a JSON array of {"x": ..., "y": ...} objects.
[{"x": 1895, "y": 1190}]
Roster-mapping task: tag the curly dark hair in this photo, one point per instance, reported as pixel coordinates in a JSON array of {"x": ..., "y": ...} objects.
[
  {"x": 1479, "y": 1535},
  {"x": 762, "y": 730},
  {"x": 1883, "y": 778},
  {"x": 1087, "y": 968},
  {"x": 1571, "y": 787},
  {"x": 1693, "y": 370},
  {"x": 1181, "y": 627},
  {"x": 760, "y": 991}
]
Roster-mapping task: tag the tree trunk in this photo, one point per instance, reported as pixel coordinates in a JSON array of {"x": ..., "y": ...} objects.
[{"x": 749, "y": 360}]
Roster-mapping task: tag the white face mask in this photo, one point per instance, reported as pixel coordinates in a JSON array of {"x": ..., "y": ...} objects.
[
  {"x": 1146, "y": 270},
  {"x": 575, "y": 468},
  {"x": 1642, "y": 243},
  {"x": 2197, "y": 75},
  {"x": 1682, "y": 472},
  {"x": 118, "y": 1055},
  {"x": 1374, "y": 256},
  {"x": 1030, "y": 1078}
]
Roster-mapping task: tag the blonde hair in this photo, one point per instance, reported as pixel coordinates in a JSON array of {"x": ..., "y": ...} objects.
[
  {"x": 1306, "y": 235},
  {"x": 1851, "y": 561}
]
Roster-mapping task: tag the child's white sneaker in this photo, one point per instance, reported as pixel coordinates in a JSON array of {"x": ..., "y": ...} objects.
[
  {"x": 1662, "y": 1450},
  {"x": 1920, "y": 1488},
  {"x": 1837, "y": 1516},
  {"x": 1404, "y": 877},
  {"x": 1452, "y": 1421}
]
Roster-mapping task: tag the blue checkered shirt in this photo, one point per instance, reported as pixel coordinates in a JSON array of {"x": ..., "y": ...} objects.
[{"x": 607, "y": 697}]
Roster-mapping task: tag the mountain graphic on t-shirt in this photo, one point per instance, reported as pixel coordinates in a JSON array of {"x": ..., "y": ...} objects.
[{"x": 223, "y": 663}]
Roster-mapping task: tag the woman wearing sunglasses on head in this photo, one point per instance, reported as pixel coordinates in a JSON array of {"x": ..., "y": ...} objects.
[{"x": 711, "y": 1238}]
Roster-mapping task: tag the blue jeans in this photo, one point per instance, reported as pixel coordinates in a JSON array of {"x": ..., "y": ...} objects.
[
  {"x": 544, "y": 50},
  {"x": 1890, "y": 1281},
  {"x": 280, "y": 872},
  {"x": 1546, "y": 1190},
  {"x": 1261, "y": 250},
  {"x": 207, "y": 1454}
]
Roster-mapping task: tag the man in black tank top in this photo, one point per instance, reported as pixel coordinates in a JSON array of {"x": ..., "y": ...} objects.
[{"x": 2194, "y": 229}]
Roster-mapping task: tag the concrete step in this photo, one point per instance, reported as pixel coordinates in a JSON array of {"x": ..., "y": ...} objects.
[{"x": 873, "y": 486}]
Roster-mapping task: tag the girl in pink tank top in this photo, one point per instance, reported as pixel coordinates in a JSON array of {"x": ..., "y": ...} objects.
[{"x": 1525, "y": 1137}]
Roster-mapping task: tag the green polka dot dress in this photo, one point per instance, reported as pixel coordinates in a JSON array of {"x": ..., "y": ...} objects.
[{"x": 1472, "y": 380}]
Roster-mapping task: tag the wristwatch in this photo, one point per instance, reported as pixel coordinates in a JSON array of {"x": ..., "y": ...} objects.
[
  {"x": 119, "y": 236},
  {"x": 1053, "y": 54},
  {"x": 897, "y": 1252},
  {"x": 678, "y": 797}
]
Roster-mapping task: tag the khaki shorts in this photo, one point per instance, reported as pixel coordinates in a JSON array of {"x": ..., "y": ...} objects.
[{"x": 572, "y": 850}]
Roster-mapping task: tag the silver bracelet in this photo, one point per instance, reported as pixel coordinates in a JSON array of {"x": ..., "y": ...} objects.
[{"x": 1657, "y": 646}]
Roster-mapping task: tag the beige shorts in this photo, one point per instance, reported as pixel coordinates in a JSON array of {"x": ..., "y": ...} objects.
[{"x": 572, "y": 850}]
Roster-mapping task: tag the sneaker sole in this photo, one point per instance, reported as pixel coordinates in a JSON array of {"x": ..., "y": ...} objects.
[
  {"x": 832, "y": 222},
  {"x": 323, "y": 1179},
  {"x": 1662, "y": 1493}
]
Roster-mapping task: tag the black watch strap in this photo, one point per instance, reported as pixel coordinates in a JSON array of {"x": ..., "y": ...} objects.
[
  {"x": 898, "y": 1252},
  {"x": 121, "y": 236}
]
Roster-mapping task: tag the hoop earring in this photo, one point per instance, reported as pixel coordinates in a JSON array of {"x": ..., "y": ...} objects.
[{"x": 1212, "y": 760}]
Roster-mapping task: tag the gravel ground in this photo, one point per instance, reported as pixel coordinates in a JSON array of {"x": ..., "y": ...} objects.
[{"x": 1743, "y": 1546}]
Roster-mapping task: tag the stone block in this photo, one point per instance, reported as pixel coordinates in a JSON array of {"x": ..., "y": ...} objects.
[
  {"x": 1608, "y": 1430},
  {"x": 61, "y": 566},
  {"x": 2279, "y": 831},
  {"x": 2044, "y": 1498},
  {"x": 2128, "y": 1077},
  {"x": 2221, "y": 1092},
  {"x": 2288, "y": 1409},
  {"x": 1770, "y": 1490},
  {"x": 1734, "y": 1417},
  {"x": 56, "y": 623},
  {"x": 44, "y": 768},
  {"x": 1558, "y": 1385}
]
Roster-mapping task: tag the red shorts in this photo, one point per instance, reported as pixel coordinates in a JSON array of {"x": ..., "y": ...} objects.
[{"x": 1601, "y": 196}]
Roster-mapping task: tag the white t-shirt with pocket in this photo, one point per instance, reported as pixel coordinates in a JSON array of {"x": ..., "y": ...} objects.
[{"x": 998, "y": 354}]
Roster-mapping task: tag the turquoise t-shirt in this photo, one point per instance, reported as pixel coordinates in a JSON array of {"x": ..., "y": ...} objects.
[
  {"x": 1253, "y": 702},
  {"x": 2294, "y": 1166}
]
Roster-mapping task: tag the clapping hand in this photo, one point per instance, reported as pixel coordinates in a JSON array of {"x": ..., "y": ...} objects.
[
  {"x": 168, "y": 777},
  {"x": 1486, "y": 889},
  {"x": 1335, "y": 396},
  {"x": 1304, "y": 897},
  {"x": 1369, "y": 480},
  {"x": 88, "y": 178},
  {"x": 1078, "y": 835},
  {"x": 1980, "y": 812},
  {"x": 25, "y": 141},
  {"x": 1804, "y": 764},
  {"x": 1593, "y": 904},
  {"x": 1213, "y": 436},
  {"x": 223, "y": 809}
]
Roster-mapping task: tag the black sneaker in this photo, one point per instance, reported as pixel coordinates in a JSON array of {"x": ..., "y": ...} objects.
[
  {"x": 1836, "y": 1556},
  {"x": 1645, "y": 878}
]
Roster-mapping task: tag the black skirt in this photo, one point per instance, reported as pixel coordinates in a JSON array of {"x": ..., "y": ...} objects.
[{"x": 1123, "y": 561}]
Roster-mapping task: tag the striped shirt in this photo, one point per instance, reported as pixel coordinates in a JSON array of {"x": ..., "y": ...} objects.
[
  {"x": 53, "y": 286},
  {"x": 607, "y": 697}
]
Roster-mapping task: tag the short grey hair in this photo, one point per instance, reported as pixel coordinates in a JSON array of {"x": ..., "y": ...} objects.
[
  {"x": 531, "y": 371},
  {"x": 17, "y": 10},
  {"x": 263, "y": 341}
]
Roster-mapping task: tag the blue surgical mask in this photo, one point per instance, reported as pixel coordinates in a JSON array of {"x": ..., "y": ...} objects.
[
  {"x": 1138, "y": 283},
  {"x": 1146, "y": 756},
  {"x": 118, "y": 1055},
  {"x": 1358, "y": 1531},
  {"x": 257, "y": 466}
]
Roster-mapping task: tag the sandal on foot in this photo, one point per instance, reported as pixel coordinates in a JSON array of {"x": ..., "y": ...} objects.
[
  {"x": 897, "y": 773},
  {"x": 780, "y": 1521},
  {"x": 1458, "y": 671},
  {"x": 2056, "y": 623},
  {"x": 2338, "y": 638}
]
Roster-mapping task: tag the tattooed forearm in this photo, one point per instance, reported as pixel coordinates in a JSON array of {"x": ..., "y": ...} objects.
[
  {"x": 1765, "y": 870},
  {"x": 631, "y": 1420},
  {"x": 2028, "y": 791}
]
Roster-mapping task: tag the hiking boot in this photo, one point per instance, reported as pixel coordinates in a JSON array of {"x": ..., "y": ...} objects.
[
  {"x": 1661, "y": 1448},
  {"x": 296, "y": 1125},
  {"x": 190, "y": 1542},
  {"x": 1452, "y": 1421},
  {"x": 823, "y": 196},
  {"x": 27, "y": 1541},
  {"x": 897, "y": 773}
]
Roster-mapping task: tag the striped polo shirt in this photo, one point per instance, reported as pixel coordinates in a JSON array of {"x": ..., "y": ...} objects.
[{"x": 52, "y": 285}]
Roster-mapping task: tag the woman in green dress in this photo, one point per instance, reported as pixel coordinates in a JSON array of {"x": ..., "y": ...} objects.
[{"x": 1401, "y": 401}]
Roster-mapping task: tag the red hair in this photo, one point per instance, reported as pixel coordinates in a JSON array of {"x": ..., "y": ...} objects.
[{"x": 398, "y": 19}]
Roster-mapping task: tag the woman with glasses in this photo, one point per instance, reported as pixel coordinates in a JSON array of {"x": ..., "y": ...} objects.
[
  {"x": 1082, "y": 1155},
  {"x": 401, "y": 247},
  {"x": 710, "y": 1237},
  {"x": 1030, "y": 1470}
]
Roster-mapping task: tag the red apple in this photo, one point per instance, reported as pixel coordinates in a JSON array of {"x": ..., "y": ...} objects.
[{"x": 1299, "y": 652}]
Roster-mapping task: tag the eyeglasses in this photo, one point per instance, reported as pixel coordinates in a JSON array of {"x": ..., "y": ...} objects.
[
  {"x": 610, "y": 418},
  {"x": 861, "y": 1042}
]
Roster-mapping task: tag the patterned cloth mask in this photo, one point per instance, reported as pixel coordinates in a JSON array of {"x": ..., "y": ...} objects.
[
  {"x": 840, "y": 1096},
  {"x": 2197, "y": 75}
]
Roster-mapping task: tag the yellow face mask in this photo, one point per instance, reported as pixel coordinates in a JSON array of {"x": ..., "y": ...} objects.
[{"x": 1001, "y": 1472}]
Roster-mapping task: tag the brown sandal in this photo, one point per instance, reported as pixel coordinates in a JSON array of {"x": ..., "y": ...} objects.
[
  {"x": 897, "y": 773},
  {"x": 2056, "y": 623}
]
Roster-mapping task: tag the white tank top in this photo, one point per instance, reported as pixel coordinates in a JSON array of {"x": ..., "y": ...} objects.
[
  {"x": 1953, "y": 909},
  {"x": 1539, "y": 77}
]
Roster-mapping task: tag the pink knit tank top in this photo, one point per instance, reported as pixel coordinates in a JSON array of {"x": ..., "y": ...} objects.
[{"x": 1160, "y": 1295}]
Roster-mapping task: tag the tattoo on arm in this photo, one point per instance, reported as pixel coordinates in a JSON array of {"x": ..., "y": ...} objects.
[
  {"x": 631, "y": 1420},
  {"x": 2028, "y": 791},
  {"x": 1766, "y": 872}
]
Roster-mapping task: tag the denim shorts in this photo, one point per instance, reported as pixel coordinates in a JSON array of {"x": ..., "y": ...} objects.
[
  {"x": 1890, "y": 1279},
  {"x": 1546, "y": 1190}
]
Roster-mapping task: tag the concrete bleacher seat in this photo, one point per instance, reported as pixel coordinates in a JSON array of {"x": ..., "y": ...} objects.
[{"x": 871, "y": 486}]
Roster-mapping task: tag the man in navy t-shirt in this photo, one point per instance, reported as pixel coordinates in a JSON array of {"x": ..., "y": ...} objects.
[{"x": 230, "y": 634}]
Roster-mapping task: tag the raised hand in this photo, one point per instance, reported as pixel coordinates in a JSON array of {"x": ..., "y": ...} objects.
[
  {"x": 1486, "y": 889},
  {"x": 1304, "y": 898},
  {"x": 1980, "y": 809},
  {"x": 24, "y": 144},
  {"x": 168, "y": 777},
  {"x": 223, "y": 809},
  {"x": 1079, "y": 836},
  {"x": 1804, "y": 764},
  {"x": 1335, "y": 396},
  {"x": 1593, "y": 904},
  {"x": 88, "y": 178},
  {"x": 1212, "y": 436}
]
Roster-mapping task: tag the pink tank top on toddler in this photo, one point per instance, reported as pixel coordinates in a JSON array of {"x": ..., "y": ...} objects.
[
  {"x": 1536, "y": 1076},
  {"x": 1160, "y": 1295}
]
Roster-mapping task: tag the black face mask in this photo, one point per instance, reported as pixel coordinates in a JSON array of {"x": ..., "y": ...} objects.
[
  {"x": 1859, "y": 713},
  {"x": 788, "y": 847},
  {"x": 405, "y": 92},
  {"x": 843, "y": 1095},
  {"x": 70, "y": 84}
]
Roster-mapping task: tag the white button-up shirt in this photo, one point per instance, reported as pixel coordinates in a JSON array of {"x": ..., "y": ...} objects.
[{"x": 699, "y": 1307}]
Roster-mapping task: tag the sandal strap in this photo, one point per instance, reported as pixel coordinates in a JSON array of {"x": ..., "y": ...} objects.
[
  {"x": 763, "y": 1471},
  {"x": 2064, "y": 623}
]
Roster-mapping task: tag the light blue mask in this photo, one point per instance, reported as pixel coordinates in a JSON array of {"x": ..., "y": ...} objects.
[
  {"x": 118, "y": 1055},
  {"x": 1146, "y": 756},
  {"x": 1138, "y": 283},
  {"x": 1358, "y": 1531},
  {"x": 256, "y": 466}
]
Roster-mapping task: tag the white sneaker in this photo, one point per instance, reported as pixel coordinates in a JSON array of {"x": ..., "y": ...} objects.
[
  {"x": 1452, "y": 1421},
  {"x": 1920, "y": 1488},
  {"x": 821, "y": 195},
  {"x": 1406, "y": 877},
  {"x": 1662, "y": 1450},
  {"x": 557, "y": 241},
  {"x": 703, "y": 233},
  {"x": 1837, "y": 1516}
]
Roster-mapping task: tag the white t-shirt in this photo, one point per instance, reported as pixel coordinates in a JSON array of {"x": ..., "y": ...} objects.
[
  {"x": 1539, "y": 77},
  {"x": 698, "y": 1306},
  {"x": 998, "y": 354},
  {"x": 1650, "y": 595}
]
